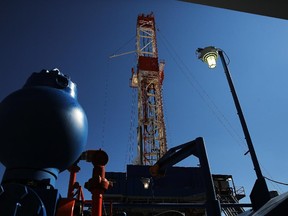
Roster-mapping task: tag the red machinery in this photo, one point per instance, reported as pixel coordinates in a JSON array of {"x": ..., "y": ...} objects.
[{"x": 97, "y": 185}]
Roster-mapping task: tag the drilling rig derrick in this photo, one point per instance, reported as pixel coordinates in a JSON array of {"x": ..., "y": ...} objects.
[{"x": 148, "y": 80}]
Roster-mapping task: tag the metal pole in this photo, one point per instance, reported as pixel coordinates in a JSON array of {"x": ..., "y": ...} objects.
[
  {"x": 241, "y": 117},
  {"x": 98, "y": 184},
  {"x": 260, "y": 183},
  {"x": 72, "y": 180}
]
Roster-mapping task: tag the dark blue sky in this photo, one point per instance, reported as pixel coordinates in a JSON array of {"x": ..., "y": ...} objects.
[{"x": 79, "y": 36}]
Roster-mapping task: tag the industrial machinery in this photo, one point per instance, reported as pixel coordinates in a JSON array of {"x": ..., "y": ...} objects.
[
  {"x": 43, "y": 131},
  {"x": 185, "y": 190},
  {"x": 148, "y": 80}
]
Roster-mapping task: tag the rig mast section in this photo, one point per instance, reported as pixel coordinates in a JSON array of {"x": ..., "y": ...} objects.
[{"x": 148, "y": 79}]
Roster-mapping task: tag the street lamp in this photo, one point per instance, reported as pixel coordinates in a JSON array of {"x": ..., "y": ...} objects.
[
  {"x": 208, "y": 55},
  {"x": 260, "y": 194}
]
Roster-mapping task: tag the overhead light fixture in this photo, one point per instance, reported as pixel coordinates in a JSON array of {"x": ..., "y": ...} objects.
[
  {"x": 208, "y": 55},
  {"x": 146, "y": 182}
]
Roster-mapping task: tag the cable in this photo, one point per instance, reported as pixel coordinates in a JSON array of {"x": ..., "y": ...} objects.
[
  {"x": 228, "y": 59},
  {"x": 167, "y": 122},
  {"x": 276, "y": 186},
  {"x": 106, "y": 95},
  {"x": 277, "y": 182},
  {"x": 125, "y": 44},
  {"x": 204, "y": 95},
  {"x": 132, "y": 132},
  {"x": 215, "y": 110}
]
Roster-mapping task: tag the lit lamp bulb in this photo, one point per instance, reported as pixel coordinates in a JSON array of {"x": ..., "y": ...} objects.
[
  {"x": 146, "y": 182},
  {"x": 211, "y": 61},
  {"x": 208, "y": 55}
]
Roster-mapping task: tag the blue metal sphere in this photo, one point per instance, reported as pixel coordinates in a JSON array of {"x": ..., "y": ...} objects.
[{"x": 42, "y": 125}]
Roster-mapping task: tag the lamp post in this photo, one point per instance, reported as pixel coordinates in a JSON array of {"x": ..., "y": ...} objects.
[{"x": 260, "y": 194}]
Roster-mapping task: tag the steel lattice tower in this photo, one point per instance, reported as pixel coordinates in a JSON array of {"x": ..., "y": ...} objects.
[{"x": 148, "y": 79}]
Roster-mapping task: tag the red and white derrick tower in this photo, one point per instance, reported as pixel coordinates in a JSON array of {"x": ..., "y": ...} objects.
[{"x": 148, "y": 80}]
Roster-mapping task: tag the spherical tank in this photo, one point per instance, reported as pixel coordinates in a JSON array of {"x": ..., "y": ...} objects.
[{"x": 42, "y": 125}]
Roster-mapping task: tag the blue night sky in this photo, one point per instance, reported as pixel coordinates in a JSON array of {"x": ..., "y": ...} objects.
[{"x": 79, "y": 36}]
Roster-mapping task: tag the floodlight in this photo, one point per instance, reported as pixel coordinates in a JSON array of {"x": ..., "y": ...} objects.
[
  {"x": 208, "y": 55},
  {"x": 146, "y": 182}
]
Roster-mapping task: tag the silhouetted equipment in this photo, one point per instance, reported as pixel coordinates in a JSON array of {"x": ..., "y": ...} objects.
[
  {"x": 228, "y": 194},
  {"x": 177, "y": 154},
  {"x": 188, "y": 190},
  {"x": 43, "y": 131}
]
